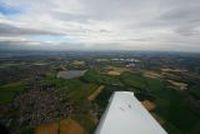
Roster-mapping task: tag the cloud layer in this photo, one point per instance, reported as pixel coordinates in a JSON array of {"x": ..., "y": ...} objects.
[{"x": 165, "y": 25}]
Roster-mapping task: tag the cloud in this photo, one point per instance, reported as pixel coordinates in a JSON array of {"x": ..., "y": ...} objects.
[
  {"x": 100, "y": 25},
  {"x": 10, "y": 30}
]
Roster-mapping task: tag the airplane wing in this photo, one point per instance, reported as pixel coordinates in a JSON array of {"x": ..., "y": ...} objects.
[{"x": 126, "y": 115}]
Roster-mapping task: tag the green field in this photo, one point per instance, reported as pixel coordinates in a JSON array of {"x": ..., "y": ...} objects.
[
  {"x": 74, "y": 89},
  {"x": 8, "y": 91},
  {"x": 136, "y": 81},
  {"x": 195, "y": 92},
  {"x": 172, "y": 105},
  {"x": 94, "y": 76}
]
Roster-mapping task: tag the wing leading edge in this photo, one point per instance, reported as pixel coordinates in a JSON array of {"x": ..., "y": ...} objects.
[{"x": 126, "y": 115}]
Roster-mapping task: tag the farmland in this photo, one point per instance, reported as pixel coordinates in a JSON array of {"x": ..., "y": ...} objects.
[{"x": 38, "y": 101}]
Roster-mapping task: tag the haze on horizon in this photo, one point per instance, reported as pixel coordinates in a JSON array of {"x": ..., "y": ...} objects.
[{"x": 160, "y": 25}]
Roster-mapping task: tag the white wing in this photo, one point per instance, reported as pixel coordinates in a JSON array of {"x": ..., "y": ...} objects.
[{"x": 126, "y": 115}]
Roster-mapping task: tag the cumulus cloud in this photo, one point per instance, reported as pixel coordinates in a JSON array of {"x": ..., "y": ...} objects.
[{"x": 101, "y": 24}]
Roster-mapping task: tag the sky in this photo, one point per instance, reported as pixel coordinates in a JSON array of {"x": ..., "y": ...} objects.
[{"x": 158, "y": 25}]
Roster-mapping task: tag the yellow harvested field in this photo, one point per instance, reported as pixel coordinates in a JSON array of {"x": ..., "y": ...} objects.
[
  {"x": 180, "y": 85},
  {"x": 149, "y": 105},
  {"x": 66, "y": 126},
  {"x": 69, "y": 126},
  {"x": 173, "y": 70},
  {"x": 78, "y": 62},
  {"x": 96, "y": 93},
  {"x": 115, "y": 71},
  {"x": 151, "y": 74},
  {"x": 49, "y": 128}
]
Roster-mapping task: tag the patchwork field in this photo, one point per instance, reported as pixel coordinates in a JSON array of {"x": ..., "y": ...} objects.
[
  {"x": 150, "y": 106},
  {"x": 66, "y": 126},
  {"x": 179, "y": 85},
  {"x": 69, "y": 126},
  {"x": 68, "y": 93},
  {"x": 96, "y": 93},
  {"x": 50, "y": 128},
  {"x": 151, "y": 74},
  {"x": 115, "y": 71},
  {"x": 173, "y": 70}
]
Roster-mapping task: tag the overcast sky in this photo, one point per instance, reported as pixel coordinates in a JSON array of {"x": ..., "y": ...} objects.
[{"x": 166, "y": 25}]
